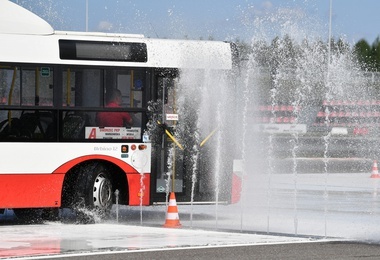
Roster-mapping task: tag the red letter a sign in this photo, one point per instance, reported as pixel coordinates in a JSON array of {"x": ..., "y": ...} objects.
[{"x": 92, "y": 134}]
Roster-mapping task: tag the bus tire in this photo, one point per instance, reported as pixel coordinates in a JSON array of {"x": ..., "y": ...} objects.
[{"x": 93, "y": 193}]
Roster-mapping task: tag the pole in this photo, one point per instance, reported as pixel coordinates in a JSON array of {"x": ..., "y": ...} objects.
[
  {"x": 86, "y": 15},
  {"x": 326, "y": 119},
  {"x": 329, "y": 43}
]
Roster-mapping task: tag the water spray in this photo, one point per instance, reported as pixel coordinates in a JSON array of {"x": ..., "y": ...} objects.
[{"x": 117, "y": 204}]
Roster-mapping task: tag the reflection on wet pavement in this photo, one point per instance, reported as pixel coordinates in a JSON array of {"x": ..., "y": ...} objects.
[{"x": 56, "y": 238}]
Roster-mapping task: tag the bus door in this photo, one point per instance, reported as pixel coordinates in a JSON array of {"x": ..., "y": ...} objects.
[
  {"x": 181, "y": 163},
  {"x": 168, "y": 151}
]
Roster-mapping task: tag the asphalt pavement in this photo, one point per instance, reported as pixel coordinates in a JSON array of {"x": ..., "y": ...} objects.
[{"x": 297, "y": 251}]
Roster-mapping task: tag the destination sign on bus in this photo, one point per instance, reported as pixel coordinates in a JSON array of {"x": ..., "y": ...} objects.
[
  {"x": 105, "y": 51},
  {"x": 112, "y": 133}
]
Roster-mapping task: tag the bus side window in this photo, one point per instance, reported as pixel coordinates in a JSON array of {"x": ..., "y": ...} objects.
[
  {"x": 37, "y": 86},
  {"x": 10, "y": 128},
  {"x": 9, "y": 86},
  {"x": 30, "y": 125},
  {"x": 82, "y": 87}
]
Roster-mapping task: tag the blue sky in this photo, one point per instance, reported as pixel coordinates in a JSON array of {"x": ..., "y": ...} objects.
[{"x": 219, "y": 19}]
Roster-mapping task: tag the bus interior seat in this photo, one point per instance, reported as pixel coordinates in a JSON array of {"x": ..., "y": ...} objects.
[
  {"x": 22, "y": 127},
  {"x": 73, "y": 126},
  {"x": 30, "y": 122},
  {"x": 10, "y": 128},
  {"x": 28, "y": 126}
]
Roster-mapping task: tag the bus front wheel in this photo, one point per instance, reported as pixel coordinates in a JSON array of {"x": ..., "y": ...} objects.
[{"x": 93, "y": 193}]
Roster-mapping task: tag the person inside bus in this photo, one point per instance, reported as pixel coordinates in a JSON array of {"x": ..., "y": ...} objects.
[{"x": 114, "y": 119}]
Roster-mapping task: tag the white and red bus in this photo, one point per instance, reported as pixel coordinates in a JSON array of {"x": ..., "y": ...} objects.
[{"x": 53, "y": 84}]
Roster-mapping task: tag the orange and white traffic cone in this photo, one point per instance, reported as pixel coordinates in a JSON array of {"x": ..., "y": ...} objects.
[
  {"x": 172, "y": 217},
  {"x": 375, "y": 171}
]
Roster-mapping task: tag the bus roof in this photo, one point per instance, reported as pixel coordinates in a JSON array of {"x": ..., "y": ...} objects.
[
  {"x": 17, "y": 20},
  {"x": 27, "y": 38}
]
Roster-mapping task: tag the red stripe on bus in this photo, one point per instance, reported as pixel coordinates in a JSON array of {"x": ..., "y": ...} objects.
[
  {"x": 30, "y": 190},
  {"x": 139, "y": 187},
  {"x": 45, "y": 190},
  {"x": 137, "y": 194},
  {"x": 64, "y": 168}
]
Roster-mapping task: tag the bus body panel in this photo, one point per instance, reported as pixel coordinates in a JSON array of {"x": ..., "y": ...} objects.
[
  {"x": 61, "y": 154},
  {"x": 121, "y": 164},
  {"x": 15, "y": 19},
  {"x": 139, "y": 186},
  {"x": 45, "y": 190},
  {"x": 162, "y": 53},
  {"x": 31, "y": 190},
  {"x": 27, "y": 38},
  {"x": 38, "y": 183}
]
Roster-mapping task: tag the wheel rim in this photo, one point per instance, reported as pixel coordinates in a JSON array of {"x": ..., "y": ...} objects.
[{"x": 102, "y": 192}]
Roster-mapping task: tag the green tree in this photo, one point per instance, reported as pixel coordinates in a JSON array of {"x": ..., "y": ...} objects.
[
  {"x": 376, "y": 54},
  {"x": 342, "y": 47},
  {"x": 244, "y": 49},
  {"x": 363, "y": 53}
]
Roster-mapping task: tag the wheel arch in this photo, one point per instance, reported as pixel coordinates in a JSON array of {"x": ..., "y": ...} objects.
[{"x": 118, "y": 170}]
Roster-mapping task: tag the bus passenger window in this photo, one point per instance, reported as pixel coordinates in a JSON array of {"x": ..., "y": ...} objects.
[
  {"x": 9, "y": 85},
  {"x": 111, "y": 118},
  {"x": 130, "y": 83},
  {"x": 37, "y": 86},
  {"x": 27, "y": 125},
  {"x": 82, "y": 87}
]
